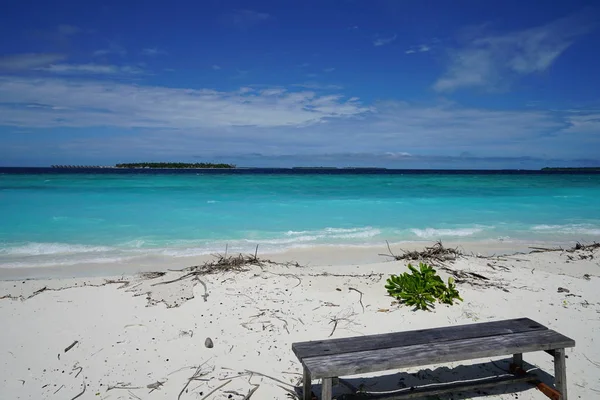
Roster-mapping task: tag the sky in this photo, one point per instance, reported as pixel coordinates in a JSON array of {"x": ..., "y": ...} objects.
[{"x": 388, "y": 83}]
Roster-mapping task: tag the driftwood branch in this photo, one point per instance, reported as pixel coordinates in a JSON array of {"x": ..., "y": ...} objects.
[{"x": 431, "y": 254}]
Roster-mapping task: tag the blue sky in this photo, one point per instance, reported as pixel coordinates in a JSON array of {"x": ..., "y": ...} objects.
[{"x": 404, "y": 84}]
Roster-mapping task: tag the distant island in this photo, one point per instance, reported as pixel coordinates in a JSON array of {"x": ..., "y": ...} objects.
[
  {"x": 567, "y": 169},
  {"x": 173, "y": 165}
]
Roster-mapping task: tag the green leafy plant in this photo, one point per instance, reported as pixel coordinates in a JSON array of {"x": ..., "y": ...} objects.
[{"x": 421, "y": 288}]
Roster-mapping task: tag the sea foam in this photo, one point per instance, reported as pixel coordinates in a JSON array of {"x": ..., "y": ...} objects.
[
  {"x": 429, "y": 233},
  {"x": 36, "y": 249},
  {"x": 569, "y": 229}
]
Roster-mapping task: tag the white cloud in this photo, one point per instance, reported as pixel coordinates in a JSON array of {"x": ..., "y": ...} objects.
[
  {"x": 397, "y": 155},
  {"x": 383, "y": 41},
  {"x": 584, "y": 121},
  {"x": 272, "y": 92},
  {"x": 153, "y": 52},
  {"x": 216, "y": 67},
  {"x": 74, "y": 103},
  {"x": 491, "y": 61},
  {"x": 418, "y": 49},
  {"x": 90, "y": 69},
  {"x": 318, "y": 86},
  {"x": 283, "y": 121},
  {"x": 48, "y": 103},
  {"x": 26, "y": 61},
  {"x": 113, "y": 48},
  {"x": 329, "y": 69}
]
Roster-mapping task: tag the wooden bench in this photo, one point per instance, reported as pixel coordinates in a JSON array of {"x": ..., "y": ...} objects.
[{"x": 328, "y": 359}]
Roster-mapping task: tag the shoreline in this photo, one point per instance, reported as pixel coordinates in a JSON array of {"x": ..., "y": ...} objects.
[
  {"x": 324, "y": 255},
  {"x": 144, "y": 335}
]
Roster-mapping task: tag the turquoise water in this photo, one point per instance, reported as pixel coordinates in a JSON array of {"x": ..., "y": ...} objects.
[{"x": 48, "y": 219}]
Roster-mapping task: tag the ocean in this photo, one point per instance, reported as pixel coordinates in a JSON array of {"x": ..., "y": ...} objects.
[{"x": 68, "y": 216}]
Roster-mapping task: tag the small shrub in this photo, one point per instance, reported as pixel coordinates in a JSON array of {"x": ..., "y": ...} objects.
[{"x": 422, "y": 288}]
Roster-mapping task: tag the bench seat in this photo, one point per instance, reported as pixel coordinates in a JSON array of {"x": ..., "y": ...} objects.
[{"x": 332, "y": 358}]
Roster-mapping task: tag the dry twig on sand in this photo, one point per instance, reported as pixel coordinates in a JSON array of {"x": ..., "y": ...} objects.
[
  {"x": 155, "y": 386},
  {"x": 133, "y": 395},
  {"x": 593, "y": 362},
  {"x": 251, "y": 392},
  {"x": 215, "y": 389},
  {"x": 579, "y": 248},
  {"x": 81, "y": 393},
  {"x": 196, "y": 377},
  {"x": 71, "y": 345},
  {"x": 336, "y": 320},
  {"x": 361, "y": 296},
  {"x": 121, "y": 385},
  {"x": 268, "y": 376}
]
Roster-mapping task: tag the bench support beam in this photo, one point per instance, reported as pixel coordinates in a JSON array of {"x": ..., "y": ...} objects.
[
  {"x": 326, "y": 389},
  {"x": 306, "y": 382},
  {"x": 437, "y": 389},
  {"x": 560, "y": 373}
]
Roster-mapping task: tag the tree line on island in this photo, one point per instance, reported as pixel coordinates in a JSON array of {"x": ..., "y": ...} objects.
[
  {"x": 567, "y": 169},
  {"x": 176, "y": 165}
]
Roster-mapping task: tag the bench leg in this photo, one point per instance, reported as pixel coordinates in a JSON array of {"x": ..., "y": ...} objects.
[
  {"x": 326, "y": 392},
  {"x": 560, "y": 373},
  {"x": 518, "y": 360},
  {"x": 306, "y": 381}
]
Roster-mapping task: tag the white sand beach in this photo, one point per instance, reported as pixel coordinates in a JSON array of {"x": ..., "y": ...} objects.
[{"x": 125, "y": 337}]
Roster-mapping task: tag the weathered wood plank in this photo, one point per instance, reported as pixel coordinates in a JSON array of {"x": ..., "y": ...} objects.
[
  {"x": 560, "y": 373},
  {"x": 434, "y": 353},
  {"x": 306, "y": 384},
  {"x": 437, "y": 389},
  {"x": 409, "y": 338},
  {"x": 326, "y": 389}
]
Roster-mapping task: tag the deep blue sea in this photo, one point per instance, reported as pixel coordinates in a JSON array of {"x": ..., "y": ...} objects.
[{"x": 62, "y": 216}]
